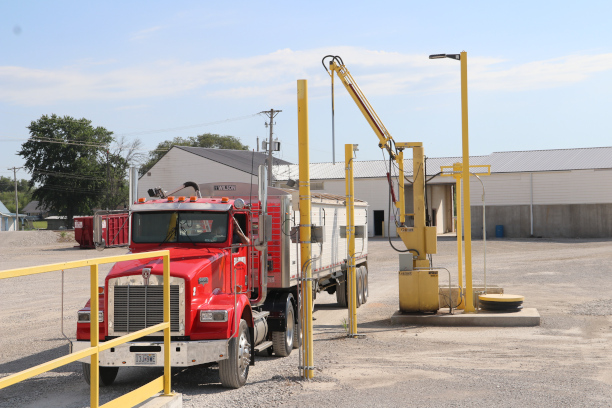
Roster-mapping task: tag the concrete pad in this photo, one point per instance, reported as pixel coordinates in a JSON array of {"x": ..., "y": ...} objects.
[
  {"x": 524, "y": 318},
  {"x": 162, "y": 401}
]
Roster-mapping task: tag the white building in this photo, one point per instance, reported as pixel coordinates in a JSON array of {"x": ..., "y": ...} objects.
[
  {"x": 201, "y": 165},
  {"x": 542, "y": 193},
  {"x": 8, "y": 219}
]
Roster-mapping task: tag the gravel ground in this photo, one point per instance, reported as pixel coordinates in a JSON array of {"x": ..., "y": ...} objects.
[{"x": 566, "y": 362}]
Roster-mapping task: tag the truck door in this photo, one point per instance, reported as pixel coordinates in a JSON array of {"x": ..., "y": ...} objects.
[{"x": 240, "y": 254}]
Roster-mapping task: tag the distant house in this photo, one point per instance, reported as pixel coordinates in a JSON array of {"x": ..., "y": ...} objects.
[
  {"x": 34, "y": 209},
  {"x": 202, "y": 165},
  {"x": 8, "y": 219}
]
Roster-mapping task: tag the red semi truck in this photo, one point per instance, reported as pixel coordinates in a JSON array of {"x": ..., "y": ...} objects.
[{"x": 235, "y": 268}]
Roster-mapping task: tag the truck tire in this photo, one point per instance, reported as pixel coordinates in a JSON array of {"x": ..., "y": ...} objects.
[
  {"x": 341, "y": 295},
  {"x": 233, "y": 371},
  {"x": 364, "y": 282},
  {"x": 359, "y": 286},
  {"x": 283, "y": 341},
  {"x": 107, "y": 374},
  {"x": 297, "y": 337}
]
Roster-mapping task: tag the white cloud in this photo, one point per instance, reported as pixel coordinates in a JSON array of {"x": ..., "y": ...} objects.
[
  {"x": 274, "y": 76},
  {"x": 146, "y": 33}
]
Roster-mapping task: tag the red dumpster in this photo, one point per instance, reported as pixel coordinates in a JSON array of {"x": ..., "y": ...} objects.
[
  {"x": 115, "y": 230},
  {"x": 83, "y": 231}
]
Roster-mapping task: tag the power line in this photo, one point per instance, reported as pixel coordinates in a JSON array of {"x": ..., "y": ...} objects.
[{"x": 67, "y": 175}]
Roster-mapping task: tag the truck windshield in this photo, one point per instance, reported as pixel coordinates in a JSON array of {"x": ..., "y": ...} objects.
[{"x": 179, "y": 226}]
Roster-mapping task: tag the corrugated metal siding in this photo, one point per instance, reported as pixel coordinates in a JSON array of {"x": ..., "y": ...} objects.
[
  {"x": 575, "y": 187},
  {"x": 557, "y": 187}
]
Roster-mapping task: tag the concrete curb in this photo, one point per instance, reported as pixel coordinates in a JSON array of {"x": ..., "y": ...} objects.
[
  {"x": 524, "y": 318},
  {"x": 162, "y": 401}
]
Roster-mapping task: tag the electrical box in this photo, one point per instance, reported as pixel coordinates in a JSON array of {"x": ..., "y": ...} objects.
[
  {"x": 418, "y": 291},
  {"x": 360, "y": 231},
  {"x": 317, "y": 234}
]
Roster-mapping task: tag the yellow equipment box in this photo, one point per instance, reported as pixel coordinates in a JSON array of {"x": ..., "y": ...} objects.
[{"x": 418, "y": 291}]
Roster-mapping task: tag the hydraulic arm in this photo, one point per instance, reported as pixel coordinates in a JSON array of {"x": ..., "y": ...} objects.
[{"x": 418, "y": 239}]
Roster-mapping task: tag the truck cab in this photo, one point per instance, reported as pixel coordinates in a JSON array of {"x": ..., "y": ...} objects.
[{"x": 211, "y": 290}]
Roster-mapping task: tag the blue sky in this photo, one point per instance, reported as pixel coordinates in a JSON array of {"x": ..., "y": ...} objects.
[{"x": 540, "y": 73}]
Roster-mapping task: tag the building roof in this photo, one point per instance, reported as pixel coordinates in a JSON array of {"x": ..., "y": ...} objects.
[
  {"x": 4, "y": 210},
  {"x": 243, "y": 160},
  {"x": 501, "y": 162},
  {"x": 33, "y": 208}
]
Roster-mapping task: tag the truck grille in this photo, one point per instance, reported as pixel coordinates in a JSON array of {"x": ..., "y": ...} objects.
[{"x": 138, "y": 307}]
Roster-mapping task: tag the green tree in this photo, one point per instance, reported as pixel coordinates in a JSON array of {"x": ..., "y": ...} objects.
[
  {"x": 208, "y": 140},
  {"x": 7, "y": 184},
  {"x": 70, "y": 160}
]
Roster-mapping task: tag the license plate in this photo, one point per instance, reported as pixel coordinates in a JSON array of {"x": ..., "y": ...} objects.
[{"x": 146, "y": 359}]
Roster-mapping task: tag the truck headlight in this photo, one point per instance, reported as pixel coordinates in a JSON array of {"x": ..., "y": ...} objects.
[
  {"x": 84, "y": 317},
  {"x": 213, "y": 315}
]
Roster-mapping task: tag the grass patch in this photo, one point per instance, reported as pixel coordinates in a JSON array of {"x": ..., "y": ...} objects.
[{"x": 40, "y": 224}]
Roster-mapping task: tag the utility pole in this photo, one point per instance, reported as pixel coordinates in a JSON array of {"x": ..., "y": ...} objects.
[
  {"x": 16, "y": 197},
  {"x": 271, "y": 114}
]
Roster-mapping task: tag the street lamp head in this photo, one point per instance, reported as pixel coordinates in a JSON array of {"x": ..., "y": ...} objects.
[{"x": 439, "y": 56}]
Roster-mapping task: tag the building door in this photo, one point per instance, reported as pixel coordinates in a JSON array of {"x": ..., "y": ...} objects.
[{"x": 379, "y": 219}]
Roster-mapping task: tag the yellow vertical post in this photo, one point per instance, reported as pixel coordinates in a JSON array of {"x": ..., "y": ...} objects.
[
  {"x": 402, "y": 199},
  {"x": 350, "y": 237},
  {"x": 305, "y": 223},
  {"x": 469, "y": 302},
  {"x": 94, "y": 333},
  {"x": 167, "y": 361},
  {"x": 457, "y": 167},
  {"x": 418, "y": 188}
]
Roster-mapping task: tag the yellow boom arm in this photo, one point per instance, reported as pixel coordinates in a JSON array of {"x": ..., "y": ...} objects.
[
  {"x": 336, "y": 65},
  {"x": 420, "y": 238}
]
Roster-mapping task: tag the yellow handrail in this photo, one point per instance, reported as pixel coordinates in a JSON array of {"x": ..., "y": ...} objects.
[{"x": 134, "y": 397}]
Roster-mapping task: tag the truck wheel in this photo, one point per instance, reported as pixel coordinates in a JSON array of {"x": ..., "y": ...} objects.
[
  {"x": 364, "y": 283},
  {"x": 341, "y": 292},
  {"x": 233, "y": 371},
  {"x": 107, "y": 374},
  {"x": 297, "y": 337},
  {"x": 359, "y": 285},
  {"x": 283, "y": 341}
]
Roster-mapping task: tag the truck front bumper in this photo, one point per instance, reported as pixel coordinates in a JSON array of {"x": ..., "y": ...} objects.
[{"x": 151, "y": 354}]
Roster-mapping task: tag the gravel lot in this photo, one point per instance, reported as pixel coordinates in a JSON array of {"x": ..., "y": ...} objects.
[{"x": 564, "y": 362}]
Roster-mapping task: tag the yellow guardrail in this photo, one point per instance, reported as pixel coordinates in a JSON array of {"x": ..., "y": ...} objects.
[{"x": 134, "y": 397}]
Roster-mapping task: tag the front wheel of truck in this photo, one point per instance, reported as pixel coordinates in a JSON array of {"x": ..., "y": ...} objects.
[
  {"x": 107, "y": 374},
  {"x": 234, "y": 371}
]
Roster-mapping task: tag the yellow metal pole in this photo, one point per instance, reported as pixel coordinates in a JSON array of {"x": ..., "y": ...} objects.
[
  {"x": 94, "y": 332},
  {"x": 350, "y": 237},
  {"x": 402, "y": 200},
  {"x": 469, "y": 302},
  {"x": 418, "y": 189},
  {"x": 459, "y": 237},
  {"x": 167, "y": 357},
  {"x": 305, "y": 223}
]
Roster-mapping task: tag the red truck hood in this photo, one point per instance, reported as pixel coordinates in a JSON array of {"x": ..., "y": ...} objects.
[{"x": 185, "y": 263}]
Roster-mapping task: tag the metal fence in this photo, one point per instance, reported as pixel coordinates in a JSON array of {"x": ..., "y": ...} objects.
[{"x": 134, "y": 397}]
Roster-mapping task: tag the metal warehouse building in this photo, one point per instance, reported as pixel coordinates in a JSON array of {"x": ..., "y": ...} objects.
[{"x": 542, "y": 193}]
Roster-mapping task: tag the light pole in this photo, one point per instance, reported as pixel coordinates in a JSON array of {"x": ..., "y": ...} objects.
[{"x": 469, "y": 301}]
